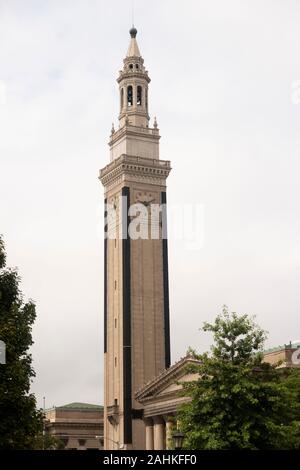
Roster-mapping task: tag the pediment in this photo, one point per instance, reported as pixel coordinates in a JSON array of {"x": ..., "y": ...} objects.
[
  {"x": 177, "y": 384},
  {"x": 169, "y": 381}
]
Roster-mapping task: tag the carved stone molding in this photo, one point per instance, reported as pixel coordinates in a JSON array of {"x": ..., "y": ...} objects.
[
  {"x": 113, "y": 414},
  {"x": 131, "y": 168}
]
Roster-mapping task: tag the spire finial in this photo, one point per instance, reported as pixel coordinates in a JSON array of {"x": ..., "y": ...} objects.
[
  {"x": 133, "y": 50},
  {"x": 155, "y": 125},
  {"x": 133, "y": 32},
  {"x": 113, "y": 128}
]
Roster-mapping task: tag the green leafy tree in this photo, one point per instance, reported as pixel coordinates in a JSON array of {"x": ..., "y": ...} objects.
[
  {"x": 240, "y": 402},
  {"x": 20, "y": 421},
  {"x": 48, "y": 442}
]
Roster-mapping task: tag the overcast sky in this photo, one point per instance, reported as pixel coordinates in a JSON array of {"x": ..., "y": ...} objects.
[{"x": 222, "y": 76}]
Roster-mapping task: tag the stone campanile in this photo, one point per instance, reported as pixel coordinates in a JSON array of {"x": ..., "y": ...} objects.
[{"x": 136, "y": 291}]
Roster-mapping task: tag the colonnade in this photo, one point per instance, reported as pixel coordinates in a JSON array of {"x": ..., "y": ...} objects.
[{"x": 159, "y": 432}]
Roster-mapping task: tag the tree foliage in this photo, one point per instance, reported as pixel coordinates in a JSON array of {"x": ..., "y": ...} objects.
[
  {"x": 48, "y": 442},
  {"x": 240, "y": 402},
  {"x": 19, "y": 420}
]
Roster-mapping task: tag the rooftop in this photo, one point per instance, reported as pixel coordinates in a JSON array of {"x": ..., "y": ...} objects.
[
  {"x": 291, "y": 345},
  {"x": 79, "y": 406}
]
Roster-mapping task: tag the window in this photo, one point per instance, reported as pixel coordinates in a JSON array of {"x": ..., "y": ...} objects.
[
  {"x": 136, "y": 66},
  {"x": 115, "y": 323},
  {"x": 115, "y": 362},
  {"x": 139, "y": 96},
  {"x": 131, "y": 66},
  {"x": 129, "y": 96},
  {"x": 115, "y": 285},
  {"x": 146, "y": 93},
  {"x": 82, "y": 442}
]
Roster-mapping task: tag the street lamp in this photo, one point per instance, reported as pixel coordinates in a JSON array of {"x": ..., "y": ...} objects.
[{"x": 178, "y": 439}]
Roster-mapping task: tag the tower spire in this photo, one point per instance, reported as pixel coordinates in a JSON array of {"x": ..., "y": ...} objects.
[
  {"x": 133, "y": 50},
  {"x": 133, "y": 83}
]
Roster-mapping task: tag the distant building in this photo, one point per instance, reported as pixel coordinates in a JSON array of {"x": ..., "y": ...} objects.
[
  {"x": 284, "y": 356},
  {"x": 78, "y": 425}
]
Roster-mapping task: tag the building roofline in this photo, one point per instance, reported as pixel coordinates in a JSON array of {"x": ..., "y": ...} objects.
[
  {"x": 164, "y": 376},
  {"x": 283, "y": 347},
  {"x": 77, "y": 406}
]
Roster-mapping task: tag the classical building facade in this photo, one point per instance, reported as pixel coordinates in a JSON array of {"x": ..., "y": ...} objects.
[
  {"x": 160, "y": 399},
  {"x": 78, "y": 425},
  {"x": 136, "y": 292}
]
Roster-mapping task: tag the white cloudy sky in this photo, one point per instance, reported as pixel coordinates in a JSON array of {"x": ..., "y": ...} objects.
[{"x": 222, "y": 76}]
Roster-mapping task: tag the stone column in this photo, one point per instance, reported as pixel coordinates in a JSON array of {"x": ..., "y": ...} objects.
[
  {"x": 169, "y": 431},
  {"x": 159, "y": 433},
  {"x": 149, "y": 434}
]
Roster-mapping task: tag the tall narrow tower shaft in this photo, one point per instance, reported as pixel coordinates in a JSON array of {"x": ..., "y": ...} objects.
[{"x": 136, "y": 292}]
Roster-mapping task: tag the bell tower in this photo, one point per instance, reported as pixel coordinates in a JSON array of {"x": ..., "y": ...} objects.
[
  {"x": 136, "y": 291},
  {"x": 133, "y": 84}
]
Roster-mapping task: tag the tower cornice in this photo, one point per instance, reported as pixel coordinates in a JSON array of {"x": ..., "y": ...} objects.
[
  {"x": 134, "y": 168},
  {"x": 135, "y": 74}
]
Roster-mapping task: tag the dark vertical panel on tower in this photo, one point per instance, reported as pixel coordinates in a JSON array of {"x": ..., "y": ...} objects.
[
  {"x": 126, "y": 317},
  {"x": 105, "y": 276},
  {"x": 166, "y": 280}
]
